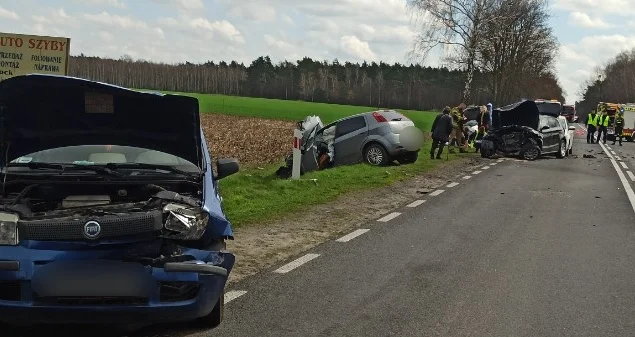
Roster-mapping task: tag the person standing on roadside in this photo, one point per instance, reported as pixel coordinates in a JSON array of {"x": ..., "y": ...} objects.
[
  {"x": 591, "y": 124},
  {"x": 619, "y": 127},
  {"x": 441, "y": 129},
  {"x": 603, "y": 124},
  {"x": 484, "y": 125}
]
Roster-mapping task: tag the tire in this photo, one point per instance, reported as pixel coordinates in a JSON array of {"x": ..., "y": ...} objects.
[
  {"x": 562, "y": 150},
  {"x": 376, "y": 155},
  {"x": 531, "y": 153},
  {"x": 214, "y": 318},
  {"x": 408, "y": 158},
  {"x": 571, "y": 150}
]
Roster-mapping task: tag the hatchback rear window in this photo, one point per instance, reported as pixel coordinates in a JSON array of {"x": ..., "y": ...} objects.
[{"x": 392, "y": 116}]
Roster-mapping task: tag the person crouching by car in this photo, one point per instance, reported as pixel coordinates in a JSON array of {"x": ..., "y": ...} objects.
[
  {"x": 441, "y": 129},
  {"x": 483, "y": 121}
]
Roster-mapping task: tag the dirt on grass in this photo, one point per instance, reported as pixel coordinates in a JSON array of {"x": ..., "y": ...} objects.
[
  {"x": 253, "y": 141},
  {"x": 259, "y": 247}
]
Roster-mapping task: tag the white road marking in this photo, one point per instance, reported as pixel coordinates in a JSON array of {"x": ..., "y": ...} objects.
[
  {"x": 476, "y": 172},
  {"x": 389, "y": 217},
  {"x": 352, "y": 235},
  {"x": 467, "y": 177},
  {"x": 631, "y": 175},
  {"x": 485, "y": 167},
  {"x": 296, "y": 263},
  {"x": 232, "y": 295},
  {"x": 618, "y": 158},
  {"x": 452, "y": 185},
  {"x": 416, "y": 203},
  {"x": 437, "y": 192},
  {"x": 608, "y": 147},
  {"x": 500, "y": 161},
  {"x": 613, "y": 152},
  {"x": 623, "y": 164},
  {"x": 627, "y": 186},
  {"x": 493, "y": 164}
]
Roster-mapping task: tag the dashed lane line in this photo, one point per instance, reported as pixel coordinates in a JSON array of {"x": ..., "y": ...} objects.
[
  {"x": 352, "y": 235},
  {"x": 416, "y": 203},
  {"x": 631, "y": 175},
  {"x": 232, "y": 295},
  {"x": 296, "y": 263},
  {"x": 493, "y": 164},
  {"x": 476, "y": 172},
  {"x": 618, "y": 158},
  {"x": 450, "y": 185},
  {"x": 613, "y": 152},
  {"x": 467, "y": 177},
  {"x": 437, "y": 192},
  {"x": 623, "y": 164},
  {"x": 389, "y": 217},
  {"x": 485, "y": 168}
]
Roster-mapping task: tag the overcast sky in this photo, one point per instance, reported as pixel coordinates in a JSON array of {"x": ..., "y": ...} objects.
[{"x": 590, "y": 31}]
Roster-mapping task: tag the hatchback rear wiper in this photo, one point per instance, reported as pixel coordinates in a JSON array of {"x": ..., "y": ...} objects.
[
  {"x": 68, "y": 167},
  {"x": 145, "y": 166}
]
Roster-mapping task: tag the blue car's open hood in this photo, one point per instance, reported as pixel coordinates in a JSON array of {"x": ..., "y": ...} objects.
[{"x": 39, "y": 112}]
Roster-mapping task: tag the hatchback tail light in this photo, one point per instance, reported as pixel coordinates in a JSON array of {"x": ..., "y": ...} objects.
[{"x": 379, "y": 118}]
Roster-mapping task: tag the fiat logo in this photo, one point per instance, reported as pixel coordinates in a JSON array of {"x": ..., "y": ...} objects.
[{"x": 92, "y": 229}]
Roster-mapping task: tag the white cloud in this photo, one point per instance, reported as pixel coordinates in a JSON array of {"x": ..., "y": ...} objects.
[
  {"x": 276, "y": 43},
  {"x": 55, "y": 17},
  {"x": 584, "y": 20},
  {"x": 253, "y": 11},
  {"x": 125, "y": 22},
  {"x": 288, "y": 20},
  {"x": 619, "y": 7},
  {"x": 7, "y": 14},
  {"x": 111, "y": 3},
  {"x": 183, "y": 5},
  {"x": 223, "y": 29},
  {"x": 357, "y": 48}
]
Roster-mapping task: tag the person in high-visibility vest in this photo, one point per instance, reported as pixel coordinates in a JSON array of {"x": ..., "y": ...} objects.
[
  {"x": 619, "y": 127},
  {"x": 591, "y": 124},
  {"x": 603, "y": 124}
]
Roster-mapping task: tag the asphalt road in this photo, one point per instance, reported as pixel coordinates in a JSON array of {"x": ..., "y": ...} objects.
[{"x": 544, "y": 248}]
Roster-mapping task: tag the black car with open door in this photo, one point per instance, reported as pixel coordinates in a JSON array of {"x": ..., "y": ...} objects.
[{"x": 520, "y": 129}]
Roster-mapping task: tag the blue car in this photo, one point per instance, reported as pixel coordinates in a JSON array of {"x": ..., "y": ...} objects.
[{"x": 110, "y": 210}]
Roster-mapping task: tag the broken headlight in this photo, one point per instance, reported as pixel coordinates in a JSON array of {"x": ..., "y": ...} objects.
[
  {"x": 184, "y": 222},
  {"x": 8, "y": 229}
]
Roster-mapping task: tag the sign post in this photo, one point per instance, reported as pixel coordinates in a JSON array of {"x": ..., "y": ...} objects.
[
  {"x": 297, "y": 154},
  {"x": 32, "y": 54}
]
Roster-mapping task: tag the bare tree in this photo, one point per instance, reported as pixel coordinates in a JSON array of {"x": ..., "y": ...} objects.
[{"x": 458, "y": 23}]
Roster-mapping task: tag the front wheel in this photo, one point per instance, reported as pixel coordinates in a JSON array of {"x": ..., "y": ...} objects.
[
  {"x": 376, "y": 155},
  {"x": 562, "y": 151},
  {"x": 531, "y": 153}
]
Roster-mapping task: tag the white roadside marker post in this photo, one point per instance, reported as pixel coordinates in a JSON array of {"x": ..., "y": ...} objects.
[{"x": 297, "y": 154}]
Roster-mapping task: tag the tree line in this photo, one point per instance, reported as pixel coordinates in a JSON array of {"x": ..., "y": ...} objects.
[
  {"x": 614, "y": 83},
  {"x": 367, "y": 84}
]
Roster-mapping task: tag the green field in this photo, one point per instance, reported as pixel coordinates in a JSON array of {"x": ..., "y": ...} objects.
[
  {"x": 256, "y": 196},
  {"x": 292, "y": 110}
]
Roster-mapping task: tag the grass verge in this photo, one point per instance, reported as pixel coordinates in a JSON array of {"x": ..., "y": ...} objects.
[{"x": 257, "y": 196}]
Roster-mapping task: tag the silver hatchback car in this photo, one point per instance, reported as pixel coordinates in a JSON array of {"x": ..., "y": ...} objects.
[{"x": 371, "y": 136}]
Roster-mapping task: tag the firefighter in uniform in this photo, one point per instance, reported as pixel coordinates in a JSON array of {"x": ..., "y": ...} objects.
[
  {"x": 591, "y": 124},
  {"x": 457, "y": 137},
  {"x": 619, "y": 127},
  {"x": 603, "y": 124}
]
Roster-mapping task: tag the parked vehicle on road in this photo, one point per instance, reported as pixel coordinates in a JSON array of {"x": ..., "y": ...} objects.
[
  {"x": 521, "y": 130},
  {"x": 569, "y": 131},
  {"x": 611, "y": 109},
  {"x": 110, "y": 207},
  {"x": 371, "y": 137},
  {"x": 629, "y": 122},
  {"x": 568, "y": 112}
]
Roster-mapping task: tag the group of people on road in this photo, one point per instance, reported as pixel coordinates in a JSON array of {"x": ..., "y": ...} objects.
[
  {"x": 449, "y": 129},
  {"x": 599, "y": 122}
]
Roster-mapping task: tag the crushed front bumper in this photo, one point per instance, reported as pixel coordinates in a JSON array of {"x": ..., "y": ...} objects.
[{"x": 90, "y": 290}]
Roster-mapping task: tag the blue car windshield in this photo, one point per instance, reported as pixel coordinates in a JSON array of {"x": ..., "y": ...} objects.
[{"x": 105, "y": 154}]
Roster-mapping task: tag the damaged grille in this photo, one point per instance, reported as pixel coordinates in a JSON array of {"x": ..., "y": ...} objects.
[
  {"x": 73, "y": 229},
  {"x": 92, "y": 300}
]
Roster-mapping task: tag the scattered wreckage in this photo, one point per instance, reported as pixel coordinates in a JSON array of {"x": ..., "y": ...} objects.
[
  {"x": 131, "y": 233},
  {"x": 376, "y": 137},
  {"x": 522, "y": 129}
]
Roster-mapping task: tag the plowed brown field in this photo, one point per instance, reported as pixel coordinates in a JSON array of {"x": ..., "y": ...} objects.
[{"x": 253, "y": 141}]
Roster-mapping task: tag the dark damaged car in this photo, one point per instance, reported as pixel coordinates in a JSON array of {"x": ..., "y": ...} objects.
[
  {"x": 110, "y": 208},
  {"x": 521, "y": 129}
]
